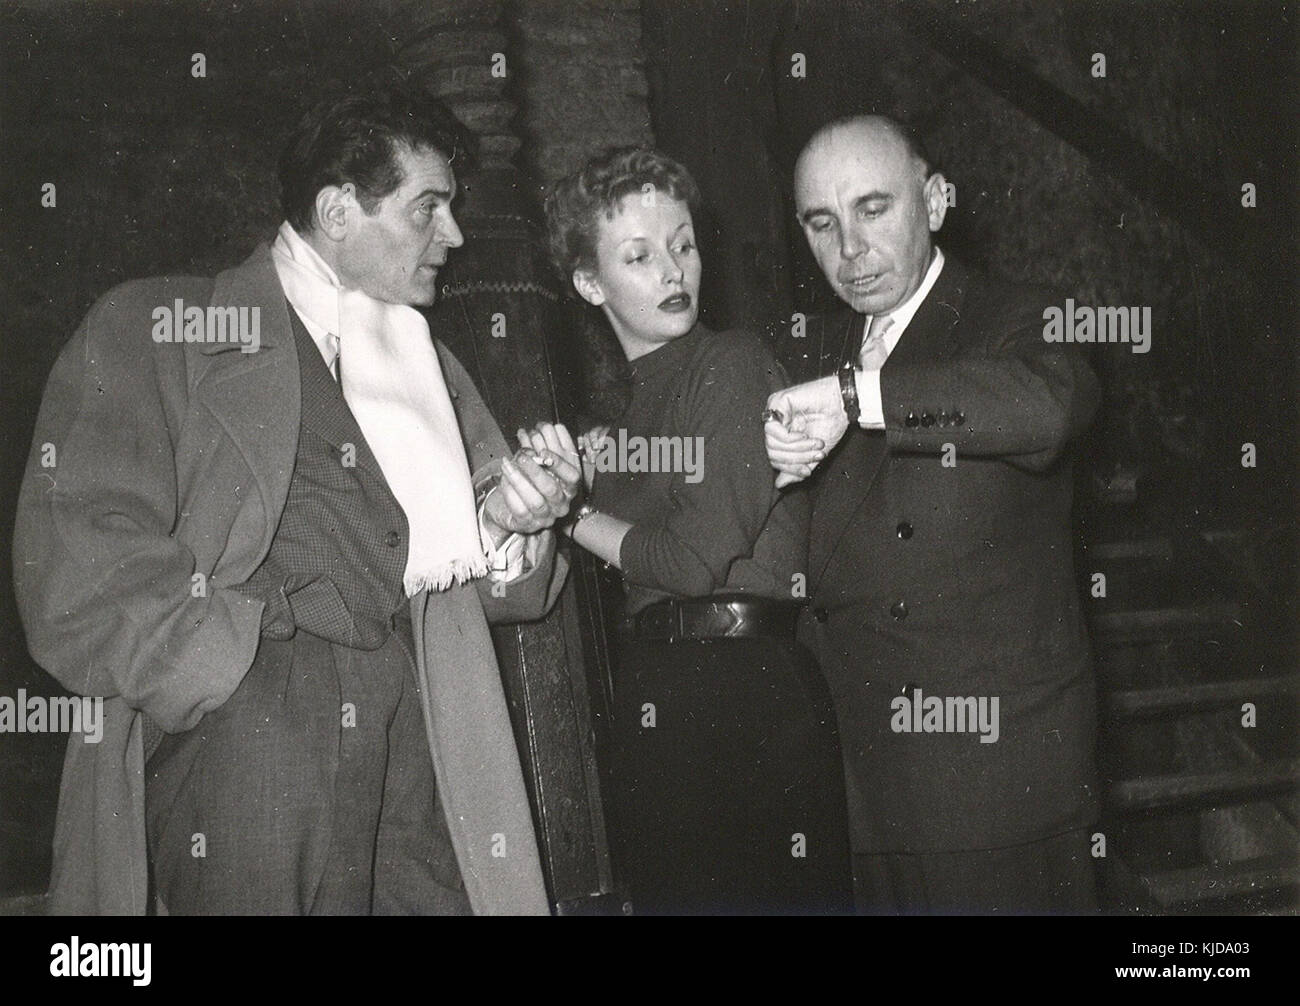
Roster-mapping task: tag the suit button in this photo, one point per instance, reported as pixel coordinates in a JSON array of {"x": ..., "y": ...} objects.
[
  {"x": 899, "y": 610},
  {"x": 821, "y": 614},
  {"x": 904, "y": 530},
  {"x": 927, "y": 419},
  {"x": 392, "y": 539},
  {"x": 958, "y": 419},
  {"x": 943, "y": 419},
  {"x": 911, "y": 420}
]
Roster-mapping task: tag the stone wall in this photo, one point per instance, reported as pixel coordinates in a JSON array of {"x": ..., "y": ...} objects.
[{"x": 583, "y": 85}]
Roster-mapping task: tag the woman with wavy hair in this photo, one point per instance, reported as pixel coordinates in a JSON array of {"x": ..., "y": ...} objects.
[{"x": 727, "y": 788}]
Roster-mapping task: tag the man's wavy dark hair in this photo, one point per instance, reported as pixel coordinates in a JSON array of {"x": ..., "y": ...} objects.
[{"x": 355, "y": 137}]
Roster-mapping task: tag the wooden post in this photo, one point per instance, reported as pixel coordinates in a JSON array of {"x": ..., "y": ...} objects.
[{"x": 499, "y": 311}]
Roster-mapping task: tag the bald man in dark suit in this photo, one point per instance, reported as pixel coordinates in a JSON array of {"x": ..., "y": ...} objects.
[{"x": 943, "y": 606}]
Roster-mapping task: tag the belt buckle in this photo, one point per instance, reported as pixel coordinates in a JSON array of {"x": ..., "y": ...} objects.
[{"x": 729, "y": 612}]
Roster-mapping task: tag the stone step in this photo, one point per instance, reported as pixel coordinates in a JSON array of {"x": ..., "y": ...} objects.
[
  {"x": 1208, "y": 789},
  {"x": 24, "y": 904},
  {"x": 1143, "y": 703},
  {"x": 1195, "y": 886}
]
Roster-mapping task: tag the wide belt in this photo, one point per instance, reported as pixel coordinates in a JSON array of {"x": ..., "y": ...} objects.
[{"x": 722, "y": 616}]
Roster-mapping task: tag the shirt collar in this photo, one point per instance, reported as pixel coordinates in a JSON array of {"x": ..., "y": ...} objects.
[
  {"x": 295, "y": 247},
  {"x": 904, "y": 313}
]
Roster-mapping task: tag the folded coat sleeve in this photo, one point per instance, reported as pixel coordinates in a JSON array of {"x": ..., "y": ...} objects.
[
  {"x": 1019, "y": 397},
  {"x": 108, "y": 596}
]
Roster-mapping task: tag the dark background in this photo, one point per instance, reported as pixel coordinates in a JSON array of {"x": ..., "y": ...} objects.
[{"x": 1123, "y": 190}]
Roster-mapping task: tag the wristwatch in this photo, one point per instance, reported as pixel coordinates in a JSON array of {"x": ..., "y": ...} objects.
[{"x": 849, "y": 393}]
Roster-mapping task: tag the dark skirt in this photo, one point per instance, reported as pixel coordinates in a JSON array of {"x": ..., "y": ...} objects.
[{"x": 727, "y": 785}]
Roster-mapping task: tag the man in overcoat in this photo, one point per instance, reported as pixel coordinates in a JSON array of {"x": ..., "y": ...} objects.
[{"x": 277, "y": 525}]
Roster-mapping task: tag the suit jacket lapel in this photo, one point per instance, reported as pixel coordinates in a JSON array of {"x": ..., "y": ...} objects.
[
  {"x": 851, "y": 468},
  {"x": 842, "y": 488},
  {"x": 324, "y": 409},
  {"x": 256, "y": 396},
  {"x": 854, "y": 467},
  {"x": 929, "y": 336}
]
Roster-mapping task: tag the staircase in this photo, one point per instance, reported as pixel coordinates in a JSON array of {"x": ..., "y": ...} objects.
[{"x": 1198, "y": 683}]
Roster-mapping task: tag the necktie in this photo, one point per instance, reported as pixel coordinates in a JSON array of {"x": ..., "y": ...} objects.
[
  {"x": 874, "y": 351},
  {"x": 335, "y": 346}
]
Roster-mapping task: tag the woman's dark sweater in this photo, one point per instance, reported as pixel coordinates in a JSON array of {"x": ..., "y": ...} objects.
[{"x": 716, "y": 523}]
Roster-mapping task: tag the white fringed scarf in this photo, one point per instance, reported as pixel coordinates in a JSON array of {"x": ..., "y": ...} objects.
[{"x": 393, "y": 384}]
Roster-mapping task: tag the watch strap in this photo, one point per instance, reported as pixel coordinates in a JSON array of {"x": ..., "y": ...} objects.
[{"x": 849, "y": 393}]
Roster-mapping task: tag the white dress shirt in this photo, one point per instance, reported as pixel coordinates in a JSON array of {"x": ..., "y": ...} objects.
[{"x": 872, "y": 410}]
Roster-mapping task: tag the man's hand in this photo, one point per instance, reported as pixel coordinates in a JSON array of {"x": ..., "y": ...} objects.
[
  {"x": 536, "y": 486},
  {"x": 812, "y": 421}
]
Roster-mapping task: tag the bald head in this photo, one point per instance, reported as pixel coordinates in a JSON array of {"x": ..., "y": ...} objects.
[
  {"x": 873, "y": 130},
  {"x": 868, "y": 203}
]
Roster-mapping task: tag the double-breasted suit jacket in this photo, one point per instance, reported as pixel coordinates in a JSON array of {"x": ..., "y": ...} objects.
[
  {"x": 940, "y": 568},
  {"x": 173, "y": 463}
]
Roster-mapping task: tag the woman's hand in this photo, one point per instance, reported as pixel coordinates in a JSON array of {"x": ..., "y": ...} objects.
[
  {"x": 552, "y": 440},
  {"x": 537, "y": 485},
  {"x": 589, "y": 446},
  {"x": 801, "y": 425},
  {"x": 602, "y": 533}
]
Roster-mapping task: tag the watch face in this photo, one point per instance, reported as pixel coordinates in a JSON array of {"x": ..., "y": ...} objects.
[{"x": 849, "y": 394}]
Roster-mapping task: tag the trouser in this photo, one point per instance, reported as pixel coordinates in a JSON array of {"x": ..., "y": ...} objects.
[
  {"x": 726, "y": 789},
  {"x": 1053, "y": 875},
  {"x": 309, "y": 792}
]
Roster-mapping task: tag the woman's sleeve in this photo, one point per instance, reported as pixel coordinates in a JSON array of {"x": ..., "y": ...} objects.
[{"x": 721, "y": 500}]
